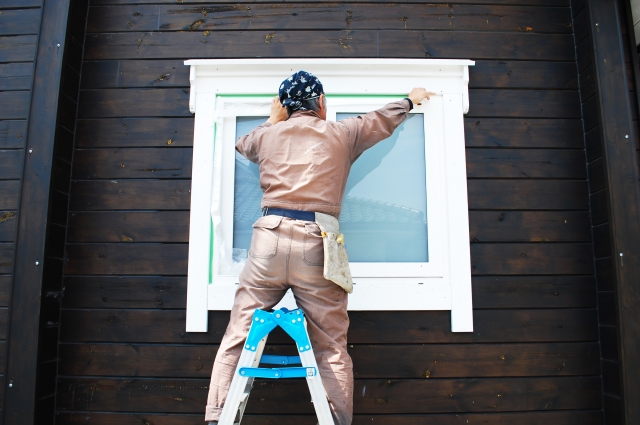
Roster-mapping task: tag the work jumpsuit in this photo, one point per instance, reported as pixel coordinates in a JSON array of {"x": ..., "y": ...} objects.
[{"x": 304, "y": 164}]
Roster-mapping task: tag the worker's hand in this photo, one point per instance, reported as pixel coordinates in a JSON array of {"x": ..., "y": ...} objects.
[
  {"x": 278, "y": 112},
  {"x": 418, "y": 94}
]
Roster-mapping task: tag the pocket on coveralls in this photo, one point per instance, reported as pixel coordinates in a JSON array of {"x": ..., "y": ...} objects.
[
  {"x": 313, "y": 248},
  {"x": 264, "y": 241}
]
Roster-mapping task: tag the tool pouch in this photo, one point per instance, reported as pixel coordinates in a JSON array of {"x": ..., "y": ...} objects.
[{"x": 336, "y": 263}]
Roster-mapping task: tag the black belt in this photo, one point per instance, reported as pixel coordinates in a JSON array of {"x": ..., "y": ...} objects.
[{"x": 295, "y": 214}]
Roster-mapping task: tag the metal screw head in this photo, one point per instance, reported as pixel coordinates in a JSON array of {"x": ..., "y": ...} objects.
[
  {"x": 58, "y": 45},
  {"x": 307, "y": 347},
  {"x": 37, "y": 263},
  {"x": 301, "y": 348},
  {"x": 248, "y": 346},
  {"x": 277, "y": 316},
  {"x": 30, "y": 150},
  {"x": 293, "y": 321},
  {"x": 596, "y": 24},
  {"x": 10, "y": 384},
  {"x": 253, "y": 348},
  {"x": 242, "y": 372},
  {"x": 261, "y": 320},
  {"x": 257, "y": 319}
]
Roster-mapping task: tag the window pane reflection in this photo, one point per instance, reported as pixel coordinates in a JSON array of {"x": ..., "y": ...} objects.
[
  {"x": 247, "y": 194},
  {"x": 384, "y": 211},
  {"x": 383, "y": 217}
]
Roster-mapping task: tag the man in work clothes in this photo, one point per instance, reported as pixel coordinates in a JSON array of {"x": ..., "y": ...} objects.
[{"x": 304, "y": 163}]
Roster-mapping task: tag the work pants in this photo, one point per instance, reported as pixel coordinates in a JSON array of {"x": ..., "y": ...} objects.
[{"x": 287, "y": 253}]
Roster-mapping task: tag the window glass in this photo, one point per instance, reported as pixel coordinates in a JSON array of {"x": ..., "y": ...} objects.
[
  {"x": 384, "y": 209},
  {"x": 247, "y": 193}
]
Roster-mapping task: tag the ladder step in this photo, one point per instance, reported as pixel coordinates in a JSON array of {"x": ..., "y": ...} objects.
[
  {"x": 283, "y": 360},
  {"x": 287, "y": 372}
]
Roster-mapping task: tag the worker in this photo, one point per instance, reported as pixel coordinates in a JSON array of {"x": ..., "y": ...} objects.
[{"x": 304, "y": 163}]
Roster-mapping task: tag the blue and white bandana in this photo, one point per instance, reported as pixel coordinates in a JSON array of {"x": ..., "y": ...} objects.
[{"x": 300, "y": 86}]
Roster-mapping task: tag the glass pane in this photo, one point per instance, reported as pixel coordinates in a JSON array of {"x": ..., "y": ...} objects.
[
  {"x": 247, "y": 194},
  {"x": 384, "y": 211}
]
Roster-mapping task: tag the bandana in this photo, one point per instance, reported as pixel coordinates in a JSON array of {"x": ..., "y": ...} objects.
[{"x": 300, "y": 86}]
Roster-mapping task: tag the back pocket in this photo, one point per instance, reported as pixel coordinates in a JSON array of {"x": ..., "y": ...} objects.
[{"x": 264, "y": 241}]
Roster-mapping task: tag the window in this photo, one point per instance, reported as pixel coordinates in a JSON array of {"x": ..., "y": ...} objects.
[{"x": 405, "y": 214}]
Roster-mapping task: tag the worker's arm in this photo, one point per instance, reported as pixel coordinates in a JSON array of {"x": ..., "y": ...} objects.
[
  {"x": 248, "y": 145},
  {"x": 366, "y": 130}
]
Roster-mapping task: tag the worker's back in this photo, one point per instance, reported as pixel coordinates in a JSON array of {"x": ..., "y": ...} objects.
[{"x": 305, "y": 161}]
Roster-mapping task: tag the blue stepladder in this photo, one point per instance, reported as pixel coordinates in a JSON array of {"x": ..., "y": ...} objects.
[{"x": 262, "y": 323}]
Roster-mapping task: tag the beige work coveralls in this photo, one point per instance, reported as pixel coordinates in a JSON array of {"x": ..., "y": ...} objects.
[{"x": 304, "y": 164}]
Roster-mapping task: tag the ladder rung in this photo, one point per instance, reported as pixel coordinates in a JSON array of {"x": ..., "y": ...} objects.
[
  {"x": 283, "y": 360},
  {"x": 275, "y": 373}
]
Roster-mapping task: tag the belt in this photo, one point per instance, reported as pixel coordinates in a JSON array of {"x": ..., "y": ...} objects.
[{"x": 295, "y": 214}]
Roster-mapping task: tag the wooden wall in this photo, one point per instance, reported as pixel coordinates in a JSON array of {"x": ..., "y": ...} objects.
[
  {"x": 19, "y": 28},
  {"x": 534, "y": 356}
]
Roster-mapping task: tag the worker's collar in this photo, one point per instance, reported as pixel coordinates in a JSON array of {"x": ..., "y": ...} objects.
[{"x": 306, "y": 114}]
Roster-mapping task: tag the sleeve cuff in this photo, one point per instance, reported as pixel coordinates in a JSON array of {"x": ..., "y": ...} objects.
[{"x": 410, "y": 103}]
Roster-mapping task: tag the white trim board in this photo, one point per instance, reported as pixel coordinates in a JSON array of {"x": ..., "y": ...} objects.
[{"x": 224, "y": 89}]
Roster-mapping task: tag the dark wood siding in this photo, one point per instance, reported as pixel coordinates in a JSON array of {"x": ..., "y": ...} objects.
[
  {"x": 534, "y": 356},
  {"x": 19, "y": 28}
]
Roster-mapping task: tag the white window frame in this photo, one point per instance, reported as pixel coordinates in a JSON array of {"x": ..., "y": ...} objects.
[{"x": 224, "y": 89}]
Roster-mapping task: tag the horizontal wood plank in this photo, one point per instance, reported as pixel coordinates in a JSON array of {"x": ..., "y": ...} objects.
[
  {"x": 370, "y": 361},
  {"x": 366, "y": 327},
  {"x": 488, "y": 292},
  {"x": 378, "y": 396},
  {"x": 7, "y": 255},
  {"x": 135, "y": 132},
  {"x": 135, "y": 73},
  {"x": 8, "y": 226},
  {"x": 128, "y": 259},
  {"x": 164, "y": 226},
  {"x": 489, "y": 194},
  {"x": 529, "y": 226},
  {"x": 5, "y": 290},
  {"x": 571, "y": 417},
  {"x": 14, "y": 104},
  {"x": 125, "y": 292},
  {"x": 486, "y": 259},
  {"x": 485, "y": 226},
  {"x": 529, "y": 163},
  {"x": 523, "y": 75},
  {"x": 178, "y": 132},
  {"x": 16, "y": 76},
  {"x": 4, "y": 321},
  {"x": 12, "y": 134},
  {"x": 535, "y": 259},
  {"x": 533, "y": 291},
  {"x": 11, "y": 164},
  {"x": 527, "y": 133},
  {"x": 21, "y": 48},
  {"x": 334, "y": 16},
  {"x": 351, "y": 43},
  {"x": 9, "y": 192},
  {"x": 131, "y": 163},
  {"x": 172, "y": 162},
  {"x": 20, "y": 21},
  {"x": 484, "y": 194},
  {"x": 130, "y": 195},
  {"x": 484, "y": 74},
  {"x": 134, "y": 103},
  {"x": 524, "y": 103},
  {"x": 172, "y": 102}
]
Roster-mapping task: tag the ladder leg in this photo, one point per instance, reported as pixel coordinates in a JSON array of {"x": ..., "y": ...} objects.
[
  {"x": 240, "y": 387},
  {"x": 249, "y": 386},
  {"x": 316, "y": 388}
]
